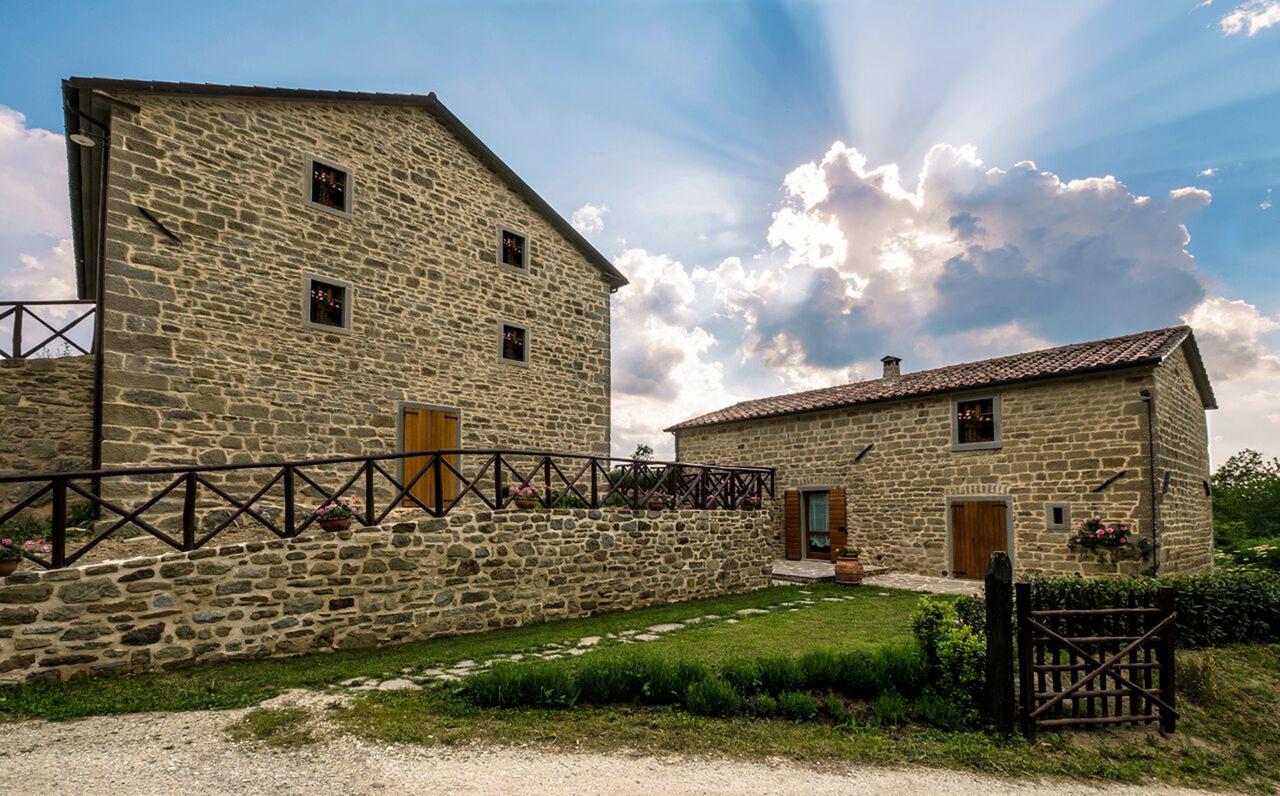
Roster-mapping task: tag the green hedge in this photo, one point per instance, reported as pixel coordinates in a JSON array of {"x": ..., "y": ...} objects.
[
  {"x": 1214, "y": 609},
  {"x": 857, "y": 674}
]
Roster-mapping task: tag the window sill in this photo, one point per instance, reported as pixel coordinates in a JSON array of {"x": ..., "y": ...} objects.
[{"x": 977, "y": 446}]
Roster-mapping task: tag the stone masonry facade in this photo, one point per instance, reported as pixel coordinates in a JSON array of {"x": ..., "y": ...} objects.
[
  {"x": 206, "y": 355},
  {"x": 1062, "y": 439},
  {"x": 465, "y": 573},
  {"x": 46, "y": 418}
]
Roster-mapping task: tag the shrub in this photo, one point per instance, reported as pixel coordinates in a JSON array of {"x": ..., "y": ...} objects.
[
  {"x": 761, "y": 705},
  {"x": 742, "y": 674},
  {"x": 1198, "y": 677},
  {"x": 822, "y": 669},
  {"x": 606, "y": 681},
  {"x": 834, "y": 708},
  {"x": 711, "y": 696},
  {"x": 797, "y": 706},
  {"x": 779, "y": 673},
  {"x": 518, "y": 685},
  {"x": 956, "y": 655},
  {"x": 940, "y": 713},
  {"x": 665, "y": 683},
  {"x": 904, "y": 669},
  {"x": 1214, "y": 609},
  {"x": 863, "y": 673},
  {"x": 889, "y": 709},
  {"x": 972, "y": 611}
]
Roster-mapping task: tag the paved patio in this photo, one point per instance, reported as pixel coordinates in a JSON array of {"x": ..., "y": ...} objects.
[{"x": 813, "y": 571}]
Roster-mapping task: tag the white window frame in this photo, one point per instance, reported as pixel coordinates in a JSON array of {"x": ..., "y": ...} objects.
[
  {"x": 347, "y": 304},
  {"x": 528, "y": 343},
  {"x": 309, "y": 167},
  {"x": 997, "y": 416},
  {"x": 504, "y": 229}
]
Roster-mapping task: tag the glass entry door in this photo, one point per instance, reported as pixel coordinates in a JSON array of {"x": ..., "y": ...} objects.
[{"x": 817, "y": 525}]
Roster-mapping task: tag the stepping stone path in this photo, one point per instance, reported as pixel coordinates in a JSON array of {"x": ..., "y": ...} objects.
[{"x": 411, "y": 678}]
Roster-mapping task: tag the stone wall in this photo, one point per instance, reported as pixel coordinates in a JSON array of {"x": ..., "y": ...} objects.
[
  {"x": 1185, "y": 511},
  {"x": 438, "y": 577},
  {"x": 206, "y": 355},
  {"x": 46, "y": 417},
  {"x": 1061, "y": 439}
]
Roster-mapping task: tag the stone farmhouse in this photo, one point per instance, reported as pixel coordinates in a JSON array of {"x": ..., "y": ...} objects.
[
  {"x": 292, "y": 273},
  {"x": 929, "y": 472}
]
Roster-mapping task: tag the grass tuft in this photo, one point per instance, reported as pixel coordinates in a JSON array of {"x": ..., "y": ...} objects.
[{"x": 281, "y": 728}]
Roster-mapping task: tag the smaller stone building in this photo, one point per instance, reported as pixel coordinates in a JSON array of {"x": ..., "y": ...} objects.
[{"x": 929, "y": 472}]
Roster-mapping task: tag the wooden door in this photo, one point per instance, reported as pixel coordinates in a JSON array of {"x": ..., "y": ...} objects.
[
  {"x": 978, "y": 529},
  {"x": 429, "y": 430}
]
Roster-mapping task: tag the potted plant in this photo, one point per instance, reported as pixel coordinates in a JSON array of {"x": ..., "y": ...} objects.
[
  {"x": 10, "y": 557},
  {"x": 526, "y": 497},
  {"x": 751, "y": 502},
  {"x": 657, "y": 503},
  {"x": 848, "y": 567},
  {"x": 335, "y": 515}
]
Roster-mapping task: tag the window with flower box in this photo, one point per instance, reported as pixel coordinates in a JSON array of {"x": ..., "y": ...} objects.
[
  {"x": 326, "y": 304},
  {"x": 513, "y": 342},
  {"x": 513, "y": 249},
  {"x": 975, "y": 423},
  {"x": 327, "y": 186}
]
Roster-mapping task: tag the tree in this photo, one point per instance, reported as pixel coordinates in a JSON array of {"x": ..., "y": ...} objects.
[
  {"x": 1246, "y": 498},
  {"x": 643, "y": 451}
]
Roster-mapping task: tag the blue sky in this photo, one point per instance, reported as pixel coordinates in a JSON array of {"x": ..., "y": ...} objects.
[{"x": 685, "y": 120}]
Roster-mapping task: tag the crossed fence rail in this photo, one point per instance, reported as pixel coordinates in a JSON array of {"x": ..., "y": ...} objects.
[
  {"x": 20, "y": 315},
  {"x": 440, "y": 482}
]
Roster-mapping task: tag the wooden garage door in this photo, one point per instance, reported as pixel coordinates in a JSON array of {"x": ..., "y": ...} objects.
[
  {"x": 978, "y": 529},
  {"x": 428, "y": 430}
]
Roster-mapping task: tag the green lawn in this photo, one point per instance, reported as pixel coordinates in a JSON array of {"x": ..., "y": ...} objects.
[{"x": 869, "y": 618}]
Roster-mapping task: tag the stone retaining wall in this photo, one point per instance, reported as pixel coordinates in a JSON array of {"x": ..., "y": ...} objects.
[{"x": 462, "y": 574}]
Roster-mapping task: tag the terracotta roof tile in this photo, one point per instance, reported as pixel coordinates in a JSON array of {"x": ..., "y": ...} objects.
[{"x": 1113, "y": 352}]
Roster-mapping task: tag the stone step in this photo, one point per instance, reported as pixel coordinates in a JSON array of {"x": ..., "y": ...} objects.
[{"x": 815, "y": 571}]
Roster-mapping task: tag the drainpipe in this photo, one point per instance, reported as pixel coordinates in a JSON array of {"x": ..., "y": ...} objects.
[{"x": 1151, "y": 464}]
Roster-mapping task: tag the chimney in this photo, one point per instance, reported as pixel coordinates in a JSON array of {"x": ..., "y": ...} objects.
[{"x": 892, "y": 368}]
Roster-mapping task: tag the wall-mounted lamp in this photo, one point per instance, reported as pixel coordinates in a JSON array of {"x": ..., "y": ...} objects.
[{"x": 82, "y": 138}]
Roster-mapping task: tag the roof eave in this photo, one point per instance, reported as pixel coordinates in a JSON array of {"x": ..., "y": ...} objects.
[{"x": 1145, "y": 362}]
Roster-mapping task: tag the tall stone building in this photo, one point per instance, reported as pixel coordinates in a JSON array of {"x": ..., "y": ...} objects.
[
  {"x": 290, "y": 273},
  {"x": 929, "y": 472}
]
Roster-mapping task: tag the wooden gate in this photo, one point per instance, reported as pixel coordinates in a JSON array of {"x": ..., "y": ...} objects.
[{"x": 1096, "y": 666}]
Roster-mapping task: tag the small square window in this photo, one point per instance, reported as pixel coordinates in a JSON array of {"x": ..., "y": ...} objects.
[
  {"x": 326, "y": 304},
  {"x": 975, "y": 423},
  {"x": 513, "y": 249},
  {"x": 514, "y": 344},
  {"x": 1057, "y": 515},
  {"x": 328, "y": 187}
]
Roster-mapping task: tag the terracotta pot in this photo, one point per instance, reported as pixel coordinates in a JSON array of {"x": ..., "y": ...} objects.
[
  {"x": 657, "y": 505},
  {"x": 336, "y": 525},
  {"x": 8, "y": 565},
  {"x": 526, "y": 503},
  {"x": 849, "y": 570}
]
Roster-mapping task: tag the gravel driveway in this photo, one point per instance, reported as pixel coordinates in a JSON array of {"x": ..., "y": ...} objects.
[{"x": 172, "y": 753}]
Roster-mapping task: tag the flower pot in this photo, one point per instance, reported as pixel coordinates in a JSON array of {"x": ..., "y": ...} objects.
[
  {"x": 8, "y": 565},
  {"x": 657, "y": 505},
  {"x": 849, "y": 570},
  {"x": 334, "y": 525},
  {"x": 526, "y": 503}
]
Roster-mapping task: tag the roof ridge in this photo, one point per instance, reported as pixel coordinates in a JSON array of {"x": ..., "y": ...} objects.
[{"x": 1134, "y": 348}]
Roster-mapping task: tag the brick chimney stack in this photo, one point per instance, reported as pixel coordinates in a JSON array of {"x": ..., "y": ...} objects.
[{"x": 892, "y": 367}]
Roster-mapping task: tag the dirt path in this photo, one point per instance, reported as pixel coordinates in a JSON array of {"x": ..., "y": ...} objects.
[{"x": 172, "y": 753}]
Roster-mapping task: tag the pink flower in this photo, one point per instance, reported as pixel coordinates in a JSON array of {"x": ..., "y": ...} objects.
[
  {"x": 1099, "y": 533},
  {"x": 1124, "y": 539},
  {"x": 6, "y": 541}
]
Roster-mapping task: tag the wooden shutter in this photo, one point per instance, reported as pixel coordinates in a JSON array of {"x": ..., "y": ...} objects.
[
  {"x": 791, "y": 524},
  {"x": 836, "y": 520},
  {"x": 978, "y": 528}
]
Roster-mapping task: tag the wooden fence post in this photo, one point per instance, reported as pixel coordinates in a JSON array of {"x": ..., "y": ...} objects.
[
  {"x": 999, "y": 597},
  {"x": 1026, "y": 694},
  {"x": 1168, "y": 684},
  {"x": 189, "y": 511}
]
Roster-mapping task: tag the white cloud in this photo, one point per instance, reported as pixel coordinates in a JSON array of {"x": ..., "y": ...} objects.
[
  {"x": 963, "y": 262},
  {"x": 1251, "y": 17},
  {"x": 36, "y": 260},
  {"x": 589, "y": 219},
  {"x": 1209, "y": 172},
  {"x": 1265, "y": 204}
]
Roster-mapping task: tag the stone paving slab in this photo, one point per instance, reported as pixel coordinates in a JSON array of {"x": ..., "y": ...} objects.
[{"x": 929, "y": 584}]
